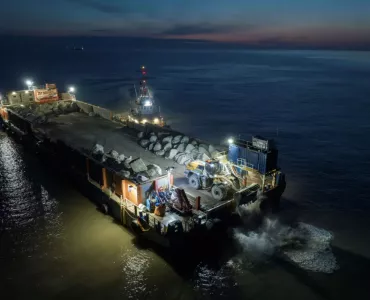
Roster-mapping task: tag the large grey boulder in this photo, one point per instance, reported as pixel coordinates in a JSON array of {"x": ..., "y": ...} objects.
[
  {"x": 189, "y": 148},
  {"x": 64, "y": 107},
  {"x": 180, "y": 158},
  {"x": 159, "y": 153},
  {"x": 170, "y": 154},
  {"x": 69, "y": 108},
  {"x": 73, "y": 107},
  {"x": 185, "y": 140},
  {"x": 144, "y": 142},
  {"x": 153, "y": 138},
  {"x": 178, "y": 155},
  {"x": 215, "y": 154},
  {"x": 203, "y": 149},
  {"x": 167, "y": 139},
  {"x": 140, "y": 135},
  {"x": 127, "y": 162},
  {"x": 157, "y": 146},
  {"x": 177, "y": 139},
  {"x": 194, "y": 143},
  {"x": 181, "y": 147},
  {"x": 167, "y": 146},
  {"x": 56, "y": 110},
  {"x": 151, "y": 146},
  {"x": 157, "y": 168},
  {"x": 151, "y": 172},
  {"x": 114, "y": 154},
  {"x": 183, "y": 158},
  {"x": 194, "y": 153},
  {"x": 211, "y": 149},
  {"x": 125, "y": 173},
  {"x": 121, "y": 158},
  {"x": 60, "y": 107},
  {"x": 138, "y": 165},
  {"x": 98, "y": 149}
]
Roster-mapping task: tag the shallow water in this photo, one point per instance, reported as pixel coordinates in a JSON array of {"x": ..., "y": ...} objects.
[{"x": 54, "y": 243}]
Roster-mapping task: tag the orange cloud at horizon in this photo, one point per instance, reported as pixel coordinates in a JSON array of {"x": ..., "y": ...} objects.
[{"x": 299, "y": 37}]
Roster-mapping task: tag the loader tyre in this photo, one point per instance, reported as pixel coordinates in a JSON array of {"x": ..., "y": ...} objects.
[
  {"x": 194, "y": 181},
  {"x": 219, "y": 192}
]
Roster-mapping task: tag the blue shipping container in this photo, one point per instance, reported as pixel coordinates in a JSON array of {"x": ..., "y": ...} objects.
[
  {"x": 243, "y": 155},
  {"x": 253, "y": 159},
  {"x": 262, "y": 162},
  {"x": 258, "y": 160},
  {"x": 233, "y": 154}
]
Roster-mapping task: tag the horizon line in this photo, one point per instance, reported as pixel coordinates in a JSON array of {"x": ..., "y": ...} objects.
[{"x": 255, "y": 45}]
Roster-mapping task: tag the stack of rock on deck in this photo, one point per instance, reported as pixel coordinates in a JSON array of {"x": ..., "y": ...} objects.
[
  {"x": 119, "y": 145},
  {"x": 136, "y": 156}
]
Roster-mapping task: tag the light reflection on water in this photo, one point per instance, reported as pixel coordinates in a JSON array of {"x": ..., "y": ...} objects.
[
  {"x": 215, "y": 283},
  {"x": 29, "y": 214},
  {"x": 135, "y": 266}
]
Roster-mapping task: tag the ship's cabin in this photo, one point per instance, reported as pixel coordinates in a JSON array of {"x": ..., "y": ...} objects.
[{"x": 145, "y": 104}]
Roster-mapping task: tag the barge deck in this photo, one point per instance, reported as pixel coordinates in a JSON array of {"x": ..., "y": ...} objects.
[{"x": 82, "y": 132}]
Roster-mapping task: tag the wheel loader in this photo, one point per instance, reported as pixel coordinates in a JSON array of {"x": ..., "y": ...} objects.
[{"x": 212, "y": 175}]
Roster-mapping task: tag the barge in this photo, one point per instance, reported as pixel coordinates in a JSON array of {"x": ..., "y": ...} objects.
[{"x": 163, "y": 184}]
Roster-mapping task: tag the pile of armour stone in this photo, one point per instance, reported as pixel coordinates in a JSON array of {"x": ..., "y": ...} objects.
[
  {"x": 179, "y": 148},
  {"x": 126, "y": 166},
  {"x": 39, "y": 114}
]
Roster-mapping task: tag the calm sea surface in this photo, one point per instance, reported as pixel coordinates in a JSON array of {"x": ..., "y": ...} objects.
[{"x": 316, "y": 104}]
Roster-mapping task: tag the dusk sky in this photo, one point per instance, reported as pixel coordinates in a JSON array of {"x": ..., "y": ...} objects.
[{"x": 311, "y": 22}]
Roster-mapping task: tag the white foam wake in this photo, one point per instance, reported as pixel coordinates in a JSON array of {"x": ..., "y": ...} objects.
[{"x": 304, "y": 245}]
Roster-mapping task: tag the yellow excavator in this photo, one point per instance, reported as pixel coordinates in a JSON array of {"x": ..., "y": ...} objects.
[{"x": 214, "y": 176}]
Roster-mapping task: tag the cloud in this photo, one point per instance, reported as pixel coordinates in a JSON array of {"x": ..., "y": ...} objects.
[
  {"x": 203, "y": 28},
  {"x": 102, "y": 6},
  {"x": 280, "y": 40}
]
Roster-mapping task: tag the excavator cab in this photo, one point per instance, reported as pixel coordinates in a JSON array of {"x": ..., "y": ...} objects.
[
  {"x": 213, "y": 167},
  {"x": 196, "y": 166},
  {"x": 194, "y": 171},
  {"x": 209, "y": 175}
]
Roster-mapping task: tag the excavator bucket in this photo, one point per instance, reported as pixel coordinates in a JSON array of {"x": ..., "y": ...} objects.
[{"x": 246, "y": 195}]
